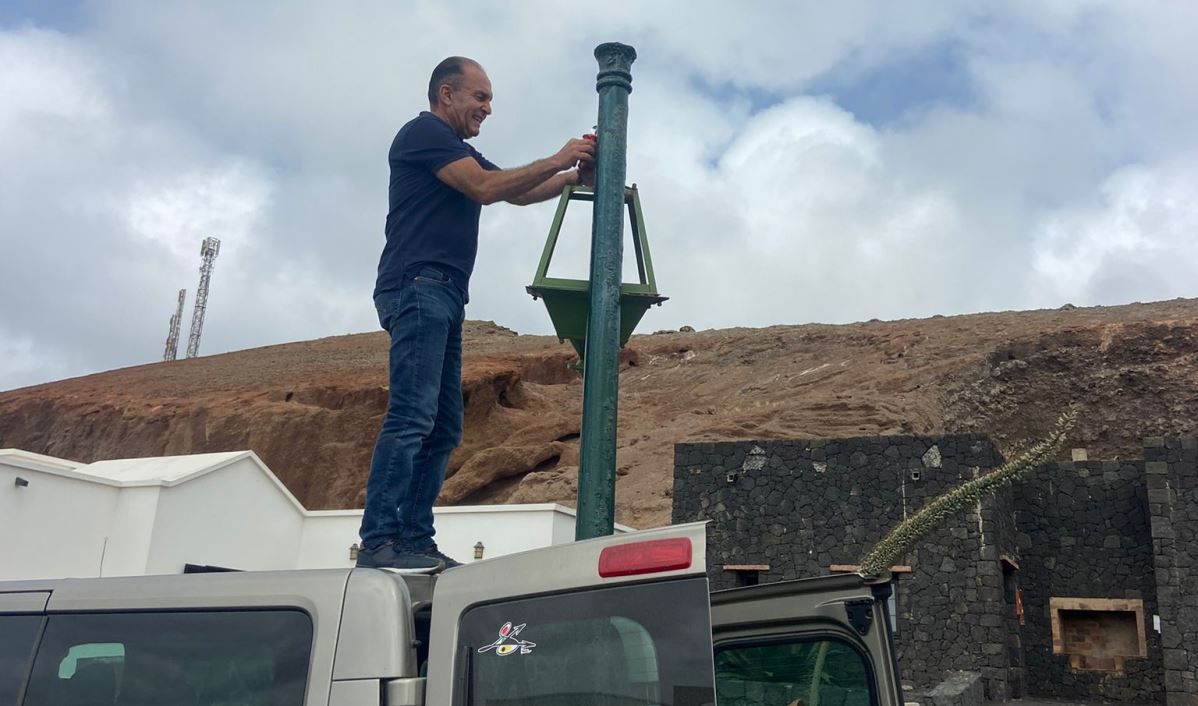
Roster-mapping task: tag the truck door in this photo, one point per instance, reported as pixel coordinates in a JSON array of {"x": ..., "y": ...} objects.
[
  {"x": 615, "y": 621},
  {"x": 21, "y": 617},
  {"x": 813, "y": 642}
]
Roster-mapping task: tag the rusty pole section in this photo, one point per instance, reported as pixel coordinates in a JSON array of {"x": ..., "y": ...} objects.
[{"x": 600, "y": 381}]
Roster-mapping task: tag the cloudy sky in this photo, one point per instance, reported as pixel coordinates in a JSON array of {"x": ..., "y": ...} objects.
[{"x": 798, "y": 162}]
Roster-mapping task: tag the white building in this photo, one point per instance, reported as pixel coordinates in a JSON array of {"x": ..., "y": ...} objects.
[{"x": 139, "y": 516}]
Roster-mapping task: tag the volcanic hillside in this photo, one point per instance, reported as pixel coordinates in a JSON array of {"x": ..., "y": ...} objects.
[{"x": 311, "y": 409}]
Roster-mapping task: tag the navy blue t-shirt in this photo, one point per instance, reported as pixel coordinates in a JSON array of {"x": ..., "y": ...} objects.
[{"x": 429, "y": 222}]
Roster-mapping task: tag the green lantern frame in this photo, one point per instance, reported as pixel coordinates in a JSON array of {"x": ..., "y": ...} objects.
[{"x": 568, "y": 300}]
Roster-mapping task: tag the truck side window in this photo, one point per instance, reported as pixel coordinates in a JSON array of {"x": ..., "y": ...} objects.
[
  {"x": 17, "y": 635},
  {"x": 636, "y": 645},
  {"x": 793, "y": 672},
  {"x": 247, "y": 658}
]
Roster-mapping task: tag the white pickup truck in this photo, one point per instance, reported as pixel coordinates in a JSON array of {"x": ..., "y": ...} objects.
[{"x": 617, "y": 621}]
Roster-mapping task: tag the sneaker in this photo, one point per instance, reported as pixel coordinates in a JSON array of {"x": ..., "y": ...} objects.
[
  {"x": 450, "y": 562},
  {"x": 387, "y": 557}
]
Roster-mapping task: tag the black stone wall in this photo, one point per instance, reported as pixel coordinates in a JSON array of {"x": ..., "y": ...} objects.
[
  {"x": 1100, "y": 529},
  {"x": 1084, "y": 533},
  {"x": 802, "y": 506},
  {"x": 1172, "y": 476}
]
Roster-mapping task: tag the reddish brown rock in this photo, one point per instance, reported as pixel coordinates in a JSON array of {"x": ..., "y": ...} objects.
[{"x": 311, "y": 409}]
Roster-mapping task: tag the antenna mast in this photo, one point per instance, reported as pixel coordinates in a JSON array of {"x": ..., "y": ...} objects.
[
  {"x": 208, "y": 251},
  {"x": 172, "y": 338}
]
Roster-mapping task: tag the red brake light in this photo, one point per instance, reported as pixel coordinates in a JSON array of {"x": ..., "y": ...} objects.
[{"x": 646, "y": 557}]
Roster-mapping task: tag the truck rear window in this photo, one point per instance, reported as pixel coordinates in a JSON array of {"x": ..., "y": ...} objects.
[
  {"x": 249, "y": 658},
  {"x": 639, "y": 645}
]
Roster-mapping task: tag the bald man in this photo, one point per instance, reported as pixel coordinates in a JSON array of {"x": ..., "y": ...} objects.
[{"x": 439, "y": 184}]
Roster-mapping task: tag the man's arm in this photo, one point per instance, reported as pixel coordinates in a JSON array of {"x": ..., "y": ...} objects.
[
  {"x": 548, "y": 189},
  {"x": 487, "y": 187},
  {"x": 582, "y": 175}
]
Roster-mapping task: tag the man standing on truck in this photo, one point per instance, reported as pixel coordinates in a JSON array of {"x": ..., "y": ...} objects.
[{"x": 438, "y": 185}]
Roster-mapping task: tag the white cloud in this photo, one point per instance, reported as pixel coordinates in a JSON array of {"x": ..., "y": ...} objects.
[
  {"x": 191, "y": 207},
  {"x": 1065, "y": 176},
  {"x": 1138, "y": 239},
  {"x": 815, "y": 225},
  {"x": 781, "y": 45},
  {"x": 47, "y": 80}
]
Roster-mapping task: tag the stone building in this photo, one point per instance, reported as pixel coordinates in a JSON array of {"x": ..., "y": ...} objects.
[{"x": 1081, "y": 583}]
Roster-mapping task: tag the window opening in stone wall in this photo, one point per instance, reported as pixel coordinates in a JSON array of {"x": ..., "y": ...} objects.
[
  {"x": 747, "y": 574},
  {"x": 1014, "y": 621},
  {"x": 1012, "y": 593},
  {"x": 1098, "y": 634}
]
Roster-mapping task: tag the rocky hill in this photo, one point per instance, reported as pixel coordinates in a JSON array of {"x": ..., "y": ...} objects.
[{"x": 311, "y": 409}]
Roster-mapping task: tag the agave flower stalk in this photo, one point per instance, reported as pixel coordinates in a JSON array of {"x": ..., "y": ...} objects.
[{"x": 933, "y": 515}]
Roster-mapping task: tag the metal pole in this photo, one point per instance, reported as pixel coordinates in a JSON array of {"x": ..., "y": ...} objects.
[{"x": 600, "y": 376}]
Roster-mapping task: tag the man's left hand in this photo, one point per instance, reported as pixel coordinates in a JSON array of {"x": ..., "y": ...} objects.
[{"x": 586, "y": 172}]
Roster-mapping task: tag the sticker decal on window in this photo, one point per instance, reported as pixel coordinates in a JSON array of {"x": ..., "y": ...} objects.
[{"x": 508, "y": 644}]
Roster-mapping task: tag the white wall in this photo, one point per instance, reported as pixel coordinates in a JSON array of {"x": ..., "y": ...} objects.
[
  {"x": 130, "y": 531},
  {"x": 327, "y": 537},
  {"x": 563, "y": 528},
  {"x": 503, "y": 529},
  {"x": 235, "y": 517},
  {"x": 54, "y": 527}
]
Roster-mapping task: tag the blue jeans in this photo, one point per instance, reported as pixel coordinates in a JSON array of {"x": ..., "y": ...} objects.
[{"x": 424, "y": 411}]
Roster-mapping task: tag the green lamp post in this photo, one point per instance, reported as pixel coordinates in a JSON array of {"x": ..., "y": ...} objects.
[{"x": 598, "y": 315}]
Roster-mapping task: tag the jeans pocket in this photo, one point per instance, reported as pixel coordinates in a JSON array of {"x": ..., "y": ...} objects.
[
  {"x": 387, "y": 305},
  {"x": 432, "y": 274}
]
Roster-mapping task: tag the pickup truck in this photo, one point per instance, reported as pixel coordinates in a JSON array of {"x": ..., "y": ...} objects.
[{"x": 626, "y": 620}]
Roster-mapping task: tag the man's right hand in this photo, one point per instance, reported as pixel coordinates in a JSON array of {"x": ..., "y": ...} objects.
[
  {"x": 576, "y": 150},
  {"x": 486, "y": 187}
]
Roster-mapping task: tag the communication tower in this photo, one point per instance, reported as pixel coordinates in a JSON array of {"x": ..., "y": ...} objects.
[
  {"x": 172, "y": 338},
  {"x": 208, "y": 251}
]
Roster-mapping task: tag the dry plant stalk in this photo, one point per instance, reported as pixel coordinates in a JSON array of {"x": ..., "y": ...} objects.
[{"x": 907, "y": 533}]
